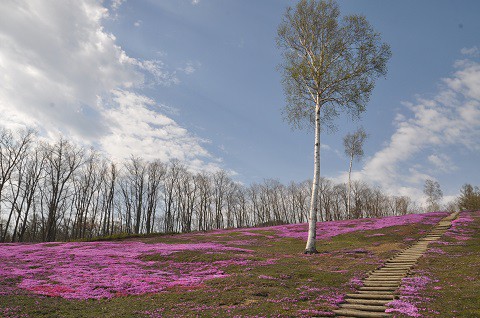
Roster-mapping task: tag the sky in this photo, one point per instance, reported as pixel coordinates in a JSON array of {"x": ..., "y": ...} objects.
[{"x": 198, "y": 81}]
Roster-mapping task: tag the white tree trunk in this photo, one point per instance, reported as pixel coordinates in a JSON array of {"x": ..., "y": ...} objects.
[
  {"x": 349, "y": 187},
  {"x": 312, "y": 219}
]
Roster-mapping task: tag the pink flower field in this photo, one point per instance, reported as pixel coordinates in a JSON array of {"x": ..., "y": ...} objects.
[
  {"x": 327, "y": 230},
  {"x": 102, "y": 269},
  {"x": 108, "y": 269}
]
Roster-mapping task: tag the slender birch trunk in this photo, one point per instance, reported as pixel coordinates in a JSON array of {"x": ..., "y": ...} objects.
[
  {"x": 349, "y": 187},
  {"x": 312, "y": 219}
]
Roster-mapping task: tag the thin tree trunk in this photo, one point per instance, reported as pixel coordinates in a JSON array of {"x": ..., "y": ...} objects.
[
  {"x": 349, "y": 187},
  {"x": 312, "y": 220}
]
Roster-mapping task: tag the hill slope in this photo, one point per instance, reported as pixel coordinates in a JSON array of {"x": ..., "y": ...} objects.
[{"x": 241, "y": 272}]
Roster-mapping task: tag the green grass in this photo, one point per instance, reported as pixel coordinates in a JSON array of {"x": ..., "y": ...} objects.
[
  {"x": 277, "y": 279},
  {"x": 455, "y": 289}
]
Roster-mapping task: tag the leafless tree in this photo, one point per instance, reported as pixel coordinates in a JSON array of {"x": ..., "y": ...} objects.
[
  {"x": 62, "y": 160},
  {"x": 433, "y": 193},
  {"x": 353, "y": 144},
  {"x": 156, "y": 172},
  {"x": 220, "y": 182}
]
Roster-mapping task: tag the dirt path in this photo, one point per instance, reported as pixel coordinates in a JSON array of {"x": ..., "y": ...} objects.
[{"x": 380, "y": 287}]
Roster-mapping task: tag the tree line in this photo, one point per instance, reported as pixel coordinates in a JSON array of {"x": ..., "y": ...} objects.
[{"x": 51, "y": 191}]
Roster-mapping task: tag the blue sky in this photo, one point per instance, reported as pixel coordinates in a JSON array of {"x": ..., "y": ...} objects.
[{"x": 197, "y": 81}]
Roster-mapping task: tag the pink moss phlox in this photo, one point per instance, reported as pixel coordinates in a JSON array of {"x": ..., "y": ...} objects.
[
  {"x": 326, "y": 230},
  {"x": 436, "y": 250},
  {"x": 410, "y": 293},
  {"x": 103, "y": 269},
  {"x": 412, "y": 285},
  {"x": 459, "y": 230},
  {"x": 12, "y": 312},
  {"x": 355, "y": 282},
  {"x": 402, "y": 307},
  {"x": 333, "y": 298},
  {"x": 283, "y": 300},
  {"x": 308, "y": 289},
  {"x": 157, "y": 313}
]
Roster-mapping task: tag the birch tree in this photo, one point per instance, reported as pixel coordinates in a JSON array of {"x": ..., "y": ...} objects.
[
  {"x": 354, "y": 150},
  {"x": 329, "y": 64},
  {"x": 434, "y": 194}
]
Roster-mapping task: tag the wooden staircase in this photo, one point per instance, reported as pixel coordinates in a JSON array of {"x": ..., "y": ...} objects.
[{"x": 380, "y": 287}]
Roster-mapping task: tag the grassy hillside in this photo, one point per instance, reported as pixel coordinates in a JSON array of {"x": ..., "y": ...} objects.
[{"x": 244, "y": 272}]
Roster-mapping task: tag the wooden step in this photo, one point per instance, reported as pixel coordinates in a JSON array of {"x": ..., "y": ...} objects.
[
  {"x": 371, "y": 296},
  {"x": 382, "y": 284},
  {"x": 402, "y": 261},
  {"x": 383, "y": 280},
  {"x": 399, "y": 266},
  {"x": 360, "y": 314},
  {"x": 364, "y": 307},
  {"x": 387, "y": 274},
  {"x": 378, "y": 292},
  {"x": 380, "y": 302}
]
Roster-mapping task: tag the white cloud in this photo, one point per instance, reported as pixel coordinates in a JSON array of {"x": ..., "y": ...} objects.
[
  {"x": 325, "y": 146},
  {"x": 442, "y": 162},
  {"x": 190, "y": 67},
  {"x": 116, "y": 4},
  {"x": 156, "y": 69},
  {"x": 466, "y": 80},
  {"x": 137, "y": 23},
  {"x": 62, "y": 73},
  {"x": 473, "y": 51},
  {"x": 137, "y": 129},
  {"x": 195, "y": 2},
  {"x": 451, "y": 118}
]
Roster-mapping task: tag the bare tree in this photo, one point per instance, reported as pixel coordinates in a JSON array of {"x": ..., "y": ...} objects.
[
  {"x": 169, "y": 182},
  {"x": 353, "y": 149},
  {"x": 400, "y": 205},
  {"x": 34, "y": 172},
  {"x": 329, "y": 64},
  {"x": 62, "y": 160},
  {"x": 220, "y": 182},
  {"x": 13, "y": 149},
  {"x": 326, "y": 188},
  {"x": 86, "y": 186},
  {"x": 204, "y": 201},
  {"x": 186, "y": 192},
  {"x": 156, "y": 173},
  {"x": 109, "y": 181},
  {"x": 433, "y": 193},
  {"x": 58, "y": 192}
]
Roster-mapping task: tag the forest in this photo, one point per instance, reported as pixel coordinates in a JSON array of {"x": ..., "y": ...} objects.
[{"x": 57, "y": 191}]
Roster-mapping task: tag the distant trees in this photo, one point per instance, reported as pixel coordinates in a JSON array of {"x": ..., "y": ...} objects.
[
  {"x": 353, "y": 144},
  {"x": 433, "y": 193},
  {"x": 329, "y": 64},
  {"x": 13, "y": 166},
  {"x": 57, "y": 191},
  {"x": 469, "y": 198}
]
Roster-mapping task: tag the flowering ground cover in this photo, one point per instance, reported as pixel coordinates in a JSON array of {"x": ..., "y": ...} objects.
[
  {"x": 446, "y": 281},
  {"x": 101, "y": 269},
  {"x": 244, "y": 272}
]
